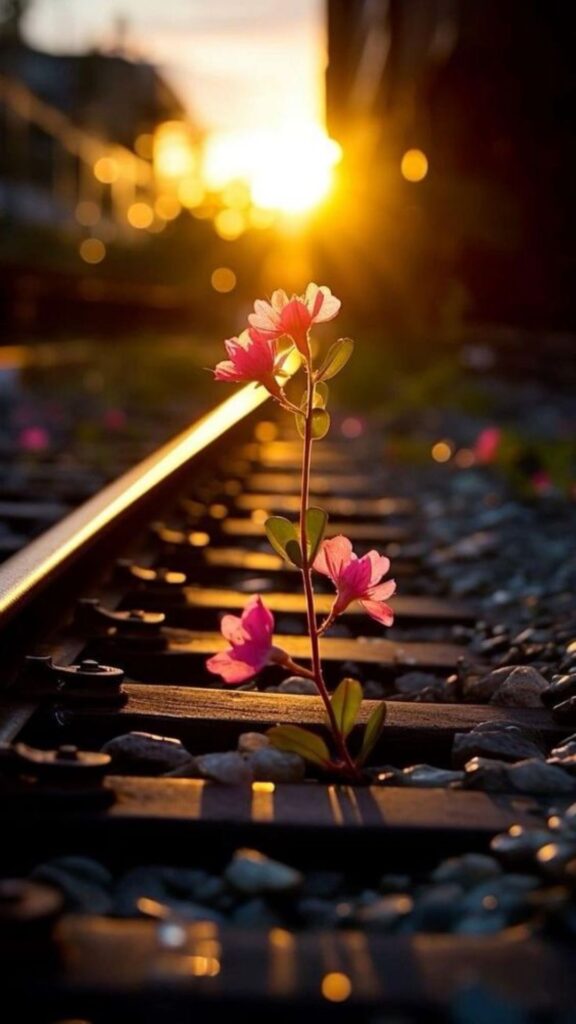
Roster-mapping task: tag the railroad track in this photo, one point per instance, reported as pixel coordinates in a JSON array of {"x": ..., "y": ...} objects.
[{"x": 127, "y": 891}]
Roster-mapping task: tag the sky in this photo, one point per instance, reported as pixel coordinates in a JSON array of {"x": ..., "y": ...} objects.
[{"x": 237, "y": 64}]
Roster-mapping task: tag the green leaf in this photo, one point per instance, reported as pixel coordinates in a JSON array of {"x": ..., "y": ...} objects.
[
  {"x": 338, "y": 355},
  {"x": 320, "y": 424},
  {"x": 281, "y": 533},
  {"x": 374, "y": 727},
  {"x": 316, "y": 520},
  {"x": 300, "y": 741},
  {"x": 294, "y": 552},
  {"x": 321, "y": 392},
  {"x": 346, "y": 702}
]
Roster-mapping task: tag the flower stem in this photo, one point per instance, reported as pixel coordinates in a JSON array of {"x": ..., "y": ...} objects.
[{"x": 306, "y": 570}]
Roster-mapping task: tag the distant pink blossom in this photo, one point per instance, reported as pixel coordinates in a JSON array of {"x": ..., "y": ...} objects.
[
  {"x": 34, "y": 439},
  {"x": 293, "y": 317},
  {"x": 114, "y": 418},
  {"x": 251, "y": 640},
  {"x": 356, "y": 579},
  {"x": 541, "y": 481},
  {"x": 487, "y": 444},
  {"x": 252, "y": 360}
]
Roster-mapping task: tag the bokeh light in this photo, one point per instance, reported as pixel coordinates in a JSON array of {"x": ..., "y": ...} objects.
[
  {"x": 414, "y": 165},
  {"x": 223, "y": 279},
  {"x": 140, "y": 215},
  {"x": 106, "y": 170},
  {"x": 92, "y": 250}
]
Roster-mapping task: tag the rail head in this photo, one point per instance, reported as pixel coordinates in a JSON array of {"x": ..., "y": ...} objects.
[{"x": 24, "y": 575}]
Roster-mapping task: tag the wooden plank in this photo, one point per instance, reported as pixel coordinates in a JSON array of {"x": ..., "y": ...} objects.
[
  {"x": 373, "y": 533},
  {"x": 335, "y": 482},
  {"x": 417, "y": 608},
  {"x": 364, "y": 650},
  {"x": 107, "y": 961},
  {"x": 341, "y": 508}
]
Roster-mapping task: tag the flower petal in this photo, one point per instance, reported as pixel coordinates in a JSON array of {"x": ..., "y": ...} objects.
[
  {"x": 382, "y": 591},
  {"x": 379, "y": 566},
  {"x": 233, "y": 630},
  {"x": 333, "y": 556},
  {"x": 379, "y": 611},
  {"x": 232, "y": 669},
  {"x": 328, "y": 308},
  {"x": 258, "y": 621}
]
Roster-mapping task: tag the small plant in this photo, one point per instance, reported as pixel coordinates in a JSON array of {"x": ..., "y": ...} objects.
[{"x": 257, "y": 356}]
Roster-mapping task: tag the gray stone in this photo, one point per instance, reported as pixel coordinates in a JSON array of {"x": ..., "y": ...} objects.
[
  {"x": 322, "y": 884},
  {"x": 467, "y": 870},
  {"x": 248, "y": 742},
  {"x": 437, "y": 907},
  {"x": 188, "y": 770},
  {"x": 317, "y": 912},
  {"x": 503, "y": 743},
  {"x": 230, "y": 768},
  {"x": 298, "y": 685},
  {"x": 485, "y": 923},
  {"x": 395, "y": 883},
  {"x": 528, "y": 776},
  {"x": 413, "y": 682},
  {"x": 519, "y": 845},
  {"x": 85, "y": 884},
  {"x": 479, "y": 689},
  {"x": 256, "y": 914},
  {"x": 521, "y": 689},
  {"x": 252, "y": 873},
  {"x": 423, "y": 776},
  {"x": 145, "y": 751},
  {"x": 385, "y": 913},
  {"x": 270, "y": 765}
]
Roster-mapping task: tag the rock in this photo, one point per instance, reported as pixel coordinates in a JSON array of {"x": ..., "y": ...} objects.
[
  {"x": 486, "y": 922},
  {"x": 85, "y": 884},
  {"x": 373, "y": 690},
  {"x": 424, "y": 776},
  {"x": 467, "y": 870},
  {"x": 322, "y": 884},
  {"x": 385, "y": 913},
  {"x": 169, "y": 885},
  {"x": 503, "y": 742},
  {"x": 528, "y": 776},
  {"x": 270, "y": 765},
  {"x": 565, "y": 760},
  {"x": 565, "y": 713},
  {"x": 506, "y": 894},
  {"x": 479, "y": 689},
  {"x": 522, "y": 688},
  {"x": 395, "y": 883},
  {"x": 437, "y": 908},
  {"x": 519, "y": 845},
  {"x": 413, "y": 682},
  {"x": 248, "y": 742},
  {"x": 559, "y": 690},
  {"x": 297, "y": 685},
  {"x": 145, "y": 752},
  {"x": 558, "y": 860},
  {"x": 256, "y": 914},
  {"x": 230, "y": 768},
  {"x": 252, "y": 873},
  {"x": 188, "y": 770},
  {"x": 318, "y": 913}
]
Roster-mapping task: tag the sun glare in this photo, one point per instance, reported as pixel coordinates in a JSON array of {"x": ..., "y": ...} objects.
[{"x": 289, "y": 169}]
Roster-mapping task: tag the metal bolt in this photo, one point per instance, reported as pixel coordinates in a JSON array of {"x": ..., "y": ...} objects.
[{"x": 89, "y": 665}]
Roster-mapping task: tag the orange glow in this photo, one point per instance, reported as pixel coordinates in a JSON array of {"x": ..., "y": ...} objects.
[
  {"x": 288, "y": 169},
  {"x": 167, "y": 207},
  {"x": 191, "y": 193},
  {"x": 173, "y": 152},
  {"x": 106, "y": 170},
  {"x": 263, "y": 787},
  {"x": 265, "y": 431},
  {"x": 140, "y": 215},
  {"x": 92, "y": 250},
  {"x": 441, "y": 451},
  {"x": 144, "y": 146},
  {"x": 87, "y": 213},
  {"x": 223, "y": 280},
  {"x": 414, "y": 165},
  {"x": 336, "y": 987},
  {"x": 229, "y": 224}
]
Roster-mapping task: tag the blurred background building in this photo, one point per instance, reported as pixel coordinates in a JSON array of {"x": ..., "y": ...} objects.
[{"x": 437, "y": 193}]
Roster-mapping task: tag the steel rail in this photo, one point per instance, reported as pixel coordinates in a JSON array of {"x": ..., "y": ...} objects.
[{"x": 26, "y": 573}]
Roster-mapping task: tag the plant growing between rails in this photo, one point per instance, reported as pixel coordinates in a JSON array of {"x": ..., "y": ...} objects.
[{"x": 255, "y": 357}]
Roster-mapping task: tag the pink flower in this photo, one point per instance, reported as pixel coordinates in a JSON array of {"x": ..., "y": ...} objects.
[
  {"x": 356, "y": 579},
  {"x": 294, "y": 316},
  {"x": 251, "y": 359},
  {"x": 251, "y": 639},
  {"x": 487, "y": 444}
]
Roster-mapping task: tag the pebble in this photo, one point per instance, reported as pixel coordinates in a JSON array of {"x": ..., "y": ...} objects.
[
  {"x": 248, "y": 742},
  {"x": 188, "y": 770},
  {"x": 231, "y": 768},
  {"x": 252, "y": 873},
  {"x": 560, "y": 690},
  {"x": 437, "y": 908},
  {"x": 503, "y": 742},
  {"x": 528, "y": 776},
  {"x": 565, "y": 713},
  {"x": 256, "y": 914},
  {"x": 385, "y": 914},
  {"x": 270, "y": 765},
  {"x": 519, "y": 845},
  {"x": 297, "y": 685},
  {"x": 413, "y": 682},
  {"x": 558, "y": 860},
  {"x": 322, "y": 883},
  {"x": 467, "y": 870},
  {"x": 85, "y": 884},
  {"x": 144, "y": 751},
  {"x": 317, "y": 912},
  {"x": 522, "y": 688},
  {"x": 425, "y": 776},
  {"x": 479, "y": 689}
]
